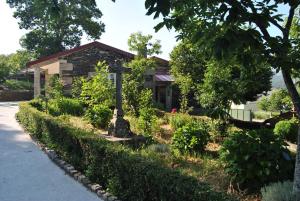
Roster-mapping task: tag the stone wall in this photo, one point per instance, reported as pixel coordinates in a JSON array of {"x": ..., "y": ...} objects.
[
  {"x": 85, "y": 61},
  {"x": 16, "y": 95}
]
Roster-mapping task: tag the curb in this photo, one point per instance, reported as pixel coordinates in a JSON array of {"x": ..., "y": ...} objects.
[{"x": 76, "y": 175}]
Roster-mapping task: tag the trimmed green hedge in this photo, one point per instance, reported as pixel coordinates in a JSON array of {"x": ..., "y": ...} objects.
[{"x": 125, "y": 172}]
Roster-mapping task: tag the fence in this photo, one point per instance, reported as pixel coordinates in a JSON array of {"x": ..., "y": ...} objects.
[{"x": 240, "y": 114}]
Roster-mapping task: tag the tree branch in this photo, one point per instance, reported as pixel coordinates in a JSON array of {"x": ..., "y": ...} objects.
[{"x": 288, "y": 25}]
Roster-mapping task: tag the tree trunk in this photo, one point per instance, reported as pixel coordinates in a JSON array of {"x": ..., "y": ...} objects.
[
  {"x": 296, "y": 187},
  {"x": 296, "y": 101}
]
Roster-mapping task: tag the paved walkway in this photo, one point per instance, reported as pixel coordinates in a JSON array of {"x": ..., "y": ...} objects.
[{"x": 26, "y": 173}]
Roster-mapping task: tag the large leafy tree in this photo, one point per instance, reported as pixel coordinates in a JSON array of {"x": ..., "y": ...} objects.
[
  {"x": 143, "y": 45},
  {"x": 217, "y": 83},
  {"x": 230, "y": 27},
  {"x": 187, "y": 66},
  {"x": 56, "y": 25},
  {"x": 4, "y": 67},
  {"x": 229, "y": 81},
  {"x": 133, "y": 87},
  {"x": 12, "y": 63}
]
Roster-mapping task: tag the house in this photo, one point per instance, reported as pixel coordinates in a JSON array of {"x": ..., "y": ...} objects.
[{"x": 81, "y": 61}]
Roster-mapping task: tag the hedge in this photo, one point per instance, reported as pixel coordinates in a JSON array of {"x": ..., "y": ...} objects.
[{"x": 123, "y": 171}]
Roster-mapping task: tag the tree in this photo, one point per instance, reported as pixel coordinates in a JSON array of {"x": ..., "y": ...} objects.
[
  {"x": 56, "y": 25},
  {"x": 19, "y": 60},
  {"x": 278, "y": 101},
  {"x": 228, "y": 81},
  {"x": 263, "y": 103},
  {"x": 142, "y": 45},
  {"x": 228, "y": 28},
  {"x": 4, "y": 68},
  {"x": 98, "y": 89},
  {"x": 187, "y": 66},
  {"x": 134, "y": 82}
]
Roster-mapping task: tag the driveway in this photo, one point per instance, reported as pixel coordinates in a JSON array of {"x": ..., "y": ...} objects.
[{"x": 26, "y": 173}]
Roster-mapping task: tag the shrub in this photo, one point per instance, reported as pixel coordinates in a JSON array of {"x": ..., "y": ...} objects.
[
  {"x": 99, "y": 115},
  {"x": 147, "y": 121},
  {"x": 98, "y": 89},
  {"x": 191, "y": 138},
  {"x": 179, "y": 120},
  {"x": 281, "y": 191},
  {"x": 55, "y": 87},
  {"x": 126, "y": 173},
  {"x": 18, "y": 85},
  {"x": 218, "y": 129},
  {"x": 257, "y": 157},
  {"x": 64, "y": 105},
  {"x": 38, "y": 103},
  {"x": 159, "y": 148},
  {"x": 287, "y": 129}
]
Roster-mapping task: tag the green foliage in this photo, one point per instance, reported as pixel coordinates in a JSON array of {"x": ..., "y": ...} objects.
[
  {"x": 38, "y": 103},
  {"x": 263, "y": 103},
  {"x": 12, "y": 63},
  {"x": 280, "y": 101},
  {"x": 287, "y": 129},
  {"x": 56, "y": 25},
  {"x": 192, "y": 137},
  {"x": 133, "y": 84},
  {"x": 230, "y": 81},
  {"x": 63, "y": 105},
  {"x": 179, "y": 120},
  {"x": 99, "y": 115},
  {"x": 218, "y": 129},
  {"x": 142, "y": 45},
  {"x": 77, "y": 86},
  {"x": 126, "y": 173},
  {"x": 18, "y": 85},
  {"x": 147, "y": 121},
  {"x": 18, "y": 60},
  {"x": 4, "y": 68},
  {"x": 256, "y": 157},
  {"x": 280, "y": 191},
  {"x": 99, "y": 89},
  {"x": 187, "y": 67},
  {"x": 54, "y": 88}
]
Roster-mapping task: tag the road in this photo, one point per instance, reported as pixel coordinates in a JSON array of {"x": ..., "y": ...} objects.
[{"x": 26, "y": 173}]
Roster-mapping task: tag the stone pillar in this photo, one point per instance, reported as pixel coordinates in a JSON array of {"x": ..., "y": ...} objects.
[{"x": 37, "y": 82}]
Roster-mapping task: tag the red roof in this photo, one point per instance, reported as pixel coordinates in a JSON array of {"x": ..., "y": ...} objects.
[
  {"x": 76, "y": 49},
  {"x": 82, "y": 47}
]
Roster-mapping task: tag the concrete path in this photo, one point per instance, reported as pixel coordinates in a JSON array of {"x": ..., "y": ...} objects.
[{"x": 26, "y": 173}]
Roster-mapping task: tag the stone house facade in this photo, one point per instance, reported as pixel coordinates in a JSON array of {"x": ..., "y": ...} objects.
[{"x": 81, "y": 61}]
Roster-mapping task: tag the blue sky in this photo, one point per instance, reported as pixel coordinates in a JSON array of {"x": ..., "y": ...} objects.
[{"x": 121, "y": 19}]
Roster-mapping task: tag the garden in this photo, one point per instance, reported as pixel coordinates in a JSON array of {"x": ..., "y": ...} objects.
[{"x": 185, "y": 157}]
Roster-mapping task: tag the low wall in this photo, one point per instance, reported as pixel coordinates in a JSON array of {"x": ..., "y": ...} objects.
[{"x": 15, "y": 95}]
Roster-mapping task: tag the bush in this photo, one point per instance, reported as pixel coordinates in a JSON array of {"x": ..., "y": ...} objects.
[
  {"x": 281, "y": 191},
  {"x": 287, "y": 129},
  {"x": 179, "y": 120},
  {"x": 126, "y": 173},
  {"x": 256, "y": 157},
  {"x": 38, "y": 103},
  {"x": 99, "y": 115},
  {"x": 61, "y": 106},
  {"x": 218, "y": 129},
  {"x": 147, "y": 121},
  {"x": 18, "y": 85},
  {"x": 191, "y": 138}
]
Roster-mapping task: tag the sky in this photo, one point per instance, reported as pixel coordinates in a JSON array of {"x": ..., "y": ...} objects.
[{"x": 120, "y": 18}]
